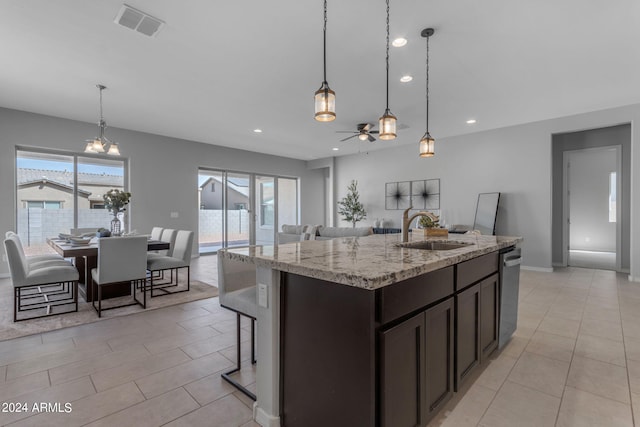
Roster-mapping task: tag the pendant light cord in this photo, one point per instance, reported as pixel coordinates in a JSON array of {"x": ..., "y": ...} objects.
[
  {"x": 324, "y": 45},
  {"x": 387, "y": 58},
  {"x": 101, "y": 118},
  {"x": 427, "y": 89}
]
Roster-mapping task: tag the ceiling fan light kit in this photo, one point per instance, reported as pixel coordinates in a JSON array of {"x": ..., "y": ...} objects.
[
  {"x": 101, "y": 143},
  {"x": 325, "y": 98},
  {"x": 388, "y": 120},
  {"x": 427, "y": 143}
]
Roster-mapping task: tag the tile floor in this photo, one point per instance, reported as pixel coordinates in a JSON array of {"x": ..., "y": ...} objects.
[{"x": 574, "y": 361}]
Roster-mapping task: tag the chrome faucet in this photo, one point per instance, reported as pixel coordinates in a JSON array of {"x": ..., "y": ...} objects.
[{"x": 406, "y": 220}]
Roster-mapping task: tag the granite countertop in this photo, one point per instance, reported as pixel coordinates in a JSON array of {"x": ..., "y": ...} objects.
[{"x": 366, "y": 262}]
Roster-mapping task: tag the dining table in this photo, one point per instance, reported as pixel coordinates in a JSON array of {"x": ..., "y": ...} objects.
[{"x": 86, "y": 258}]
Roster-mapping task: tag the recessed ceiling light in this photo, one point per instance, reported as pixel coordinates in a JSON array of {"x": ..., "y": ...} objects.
[
  {"x": 406, "y": 79},
  {"x": 399, "y": 42},
  {"x": 257, "y": 130},
  {"x": 471, "y": 121},
  {"x": 335, "y": 148}
]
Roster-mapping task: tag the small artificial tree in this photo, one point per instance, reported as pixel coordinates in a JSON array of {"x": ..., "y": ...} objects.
[{"x": 350, "y": 207}]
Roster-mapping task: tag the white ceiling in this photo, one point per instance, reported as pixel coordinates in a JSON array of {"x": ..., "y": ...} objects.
[{"x": 217, "y": 70}]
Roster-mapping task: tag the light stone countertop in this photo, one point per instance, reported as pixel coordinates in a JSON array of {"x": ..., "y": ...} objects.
[{"x": 366, "y": 262}]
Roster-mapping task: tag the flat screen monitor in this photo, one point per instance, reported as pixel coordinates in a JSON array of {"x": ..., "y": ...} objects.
[{"x": 486, "y": 212}]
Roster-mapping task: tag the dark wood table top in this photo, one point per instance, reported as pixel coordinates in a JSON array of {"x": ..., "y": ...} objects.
[{"x": 67, "y": 250}]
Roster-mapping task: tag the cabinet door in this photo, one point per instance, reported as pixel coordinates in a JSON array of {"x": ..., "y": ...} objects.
[
  {"x": 489, "y": 314},
  {"x": 468, "y": 333},
  {"x": 402, "y": 374},
  {"x": 439, "y": 356}
]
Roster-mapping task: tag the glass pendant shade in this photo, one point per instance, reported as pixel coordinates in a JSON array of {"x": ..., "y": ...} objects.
[
  {"x": 325, "y": 104},
  {"x": 427, "y": 146},
  {"x": 89, "y": 147},
  {"x": 97, "y": 146},
  {"x": 387, "y": 126},
  {"x": 114, "y": 150}
]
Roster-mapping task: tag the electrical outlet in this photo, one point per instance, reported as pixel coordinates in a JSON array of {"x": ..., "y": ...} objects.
[{"x": 262, "y": 295}]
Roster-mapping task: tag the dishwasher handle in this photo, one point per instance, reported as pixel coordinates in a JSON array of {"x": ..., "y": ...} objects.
[{"x": 512, "y": 261}]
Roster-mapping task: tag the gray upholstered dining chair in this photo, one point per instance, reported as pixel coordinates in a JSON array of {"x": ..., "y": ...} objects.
[
  {"x": 29, "y": 280},
  {"x": 33, "y": 258},
  {"x": 180, "y": 257},
  {"x": 120, "y": 259},
  {"x": 168, "y": 235},
  {"x": 237, "y": 292},
  {"x": 156, "y": 233}
]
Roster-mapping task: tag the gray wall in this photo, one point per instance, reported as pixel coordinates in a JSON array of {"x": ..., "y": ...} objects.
[
  {"x": 600, "y": 137},
  {"x": 163, "y": 172},
  {"x": 514, "y": 160}
]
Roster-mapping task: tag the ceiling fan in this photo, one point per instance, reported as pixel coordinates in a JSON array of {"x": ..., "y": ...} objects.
[{"x": 363, "y": 133}]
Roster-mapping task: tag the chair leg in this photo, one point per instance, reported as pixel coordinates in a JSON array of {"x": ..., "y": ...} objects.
[{"x": 227, "y": 375}]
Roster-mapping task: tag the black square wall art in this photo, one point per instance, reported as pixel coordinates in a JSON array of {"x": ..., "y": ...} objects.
[{"x": 422, "y": 194}]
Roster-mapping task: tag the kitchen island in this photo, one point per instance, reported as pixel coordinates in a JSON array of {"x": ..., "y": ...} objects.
[{"x": 361, "y": 332}]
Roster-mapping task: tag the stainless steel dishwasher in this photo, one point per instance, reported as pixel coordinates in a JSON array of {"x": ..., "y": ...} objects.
[{"x": 510, "y": 260}]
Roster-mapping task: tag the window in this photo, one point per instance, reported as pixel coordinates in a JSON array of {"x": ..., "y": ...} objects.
[
  {"x": 57, "y": 191},
  {"x": 612, "y": 196},
  {"x": 43, "y": 204},
  {"x": 213, "y": 187}
]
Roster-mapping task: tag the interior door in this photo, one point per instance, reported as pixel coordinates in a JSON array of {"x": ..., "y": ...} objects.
[{"x": 593, "y": 179}]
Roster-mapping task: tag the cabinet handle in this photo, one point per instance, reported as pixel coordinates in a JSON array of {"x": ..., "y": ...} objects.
[{"x": 511, "y": 262}]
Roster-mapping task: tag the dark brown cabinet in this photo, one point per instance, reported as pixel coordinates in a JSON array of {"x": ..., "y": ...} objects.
[
  {"x": 402, "y": 378},
  {"x": 391, "y": 357},
  {"x": 467, "y": 333},
  {"x": 477, "y": 322},
  {"x": 417, "y": 367},
  {"x": 439, "y": 321},
  {"x": 489, "y": 315}
]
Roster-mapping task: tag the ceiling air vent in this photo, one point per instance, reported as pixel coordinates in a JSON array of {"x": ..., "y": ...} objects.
[{"x": 139, "y": 21}]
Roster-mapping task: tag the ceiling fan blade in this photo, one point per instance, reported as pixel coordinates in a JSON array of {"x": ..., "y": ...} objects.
[
  {"x": 366, "y": 126},
  {"x": 374, "y": 131},
  {"x": 349, "y": 137},
  {"x": 371, "y": 139}
]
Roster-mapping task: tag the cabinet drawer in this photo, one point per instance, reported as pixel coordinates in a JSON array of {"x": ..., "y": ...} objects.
[
  {"x": 407, "y": 296},
  {"x": 471, "y": 271}
]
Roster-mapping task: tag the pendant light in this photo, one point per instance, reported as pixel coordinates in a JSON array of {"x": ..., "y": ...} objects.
[
  {"x": 101, "y": 143},
  {"x": 388, "y": 120},
  {"x": 325, "y": 98},
  {"x": 427, "y": 143}
]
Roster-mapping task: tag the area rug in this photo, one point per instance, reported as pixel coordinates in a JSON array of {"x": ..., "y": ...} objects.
[{"x": 86, "y": 313}]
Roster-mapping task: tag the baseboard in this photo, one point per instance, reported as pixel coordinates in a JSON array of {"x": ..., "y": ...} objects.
[
  {"x": 264, "y": 419},
  {"x": 634, "y": 279},
  {"x": 540, "y": 269}
]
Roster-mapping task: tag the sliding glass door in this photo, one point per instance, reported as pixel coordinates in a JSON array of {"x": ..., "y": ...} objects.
[{"x": 238, "y": 209}]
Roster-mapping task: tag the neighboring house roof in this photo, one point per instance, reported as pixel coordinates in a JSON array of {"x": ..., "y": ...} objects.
[
  {"x": 45, "y": 181},
  {"x": 244, "y": 190},
  {"x": 26, "y": 175}
]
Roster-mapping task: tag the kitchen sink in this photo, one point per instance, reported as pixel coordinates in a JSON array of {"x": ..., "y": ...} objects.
[{"x": 433, "y": 246}]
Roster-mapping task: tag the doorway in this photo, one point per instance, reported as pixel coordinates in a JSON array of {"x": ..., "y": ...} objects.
[
  {"x": 610, "y": 197},
  {"x": 592, "y": 207}
]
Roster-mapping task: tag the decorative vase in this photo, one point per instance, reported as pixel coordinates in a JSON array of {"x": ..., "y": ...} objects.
[{"x": 116, "y": 226}]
